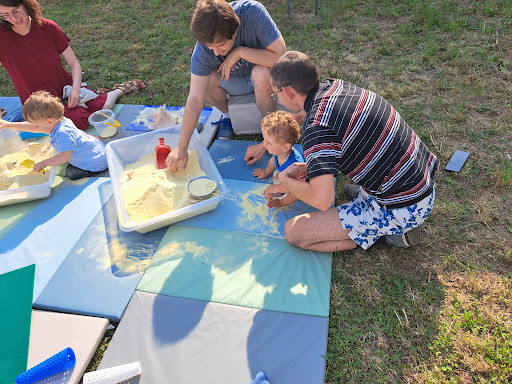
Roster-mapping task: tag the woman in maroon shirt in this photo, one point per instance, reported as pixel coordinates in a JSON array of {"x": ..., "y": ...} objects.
[{"x": 30, "y": 51}]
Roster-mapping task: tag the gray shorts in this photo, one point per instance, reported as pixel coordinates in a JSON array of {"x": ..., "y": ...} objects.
[{"x": 237, "y": 85}]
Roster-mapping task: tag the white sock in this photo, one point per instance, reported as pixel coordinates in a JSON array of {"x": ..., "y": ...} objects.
[{"x": 225, "y": 115}]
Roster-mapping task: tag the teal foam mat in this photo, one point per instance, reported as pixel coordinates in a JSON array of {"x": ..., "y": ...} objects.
[
  {"x": 240, "y": 269},
  {"x": 46, "y": 235}
]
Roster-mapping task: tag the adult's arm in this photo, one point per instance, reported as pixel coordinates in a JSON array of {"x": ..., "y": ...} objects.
[
  {"x": 265, "y": 57},
  {"x": 76, "y": 74},
  {"x": 193, "y": 108},
  {"x": 317, "y": 192}
]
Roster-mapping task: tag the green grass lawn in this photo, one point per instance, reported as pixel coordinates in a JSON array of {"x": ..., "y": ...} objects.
[{"x": 436, "y": 313}]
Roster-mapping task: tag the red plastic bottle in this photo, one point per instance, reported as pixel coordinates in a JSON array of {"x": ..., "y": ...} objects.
[{"x": 161, "y": 152}]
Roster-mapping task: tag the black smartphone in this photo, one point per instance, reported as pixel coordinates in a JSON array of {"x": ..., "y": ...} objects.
[{"x": 457, "y": 161}]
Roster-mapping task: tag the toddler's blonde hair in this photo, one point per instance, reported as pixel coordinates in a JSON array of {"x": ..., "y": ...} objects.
[
  {"x": 282, "y": 126},
  {"x": 42, "y": 105}
]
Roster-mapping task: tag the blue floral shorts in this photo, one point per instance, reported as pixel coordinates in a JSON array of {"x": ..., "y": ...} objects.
[{"x": 368, "y": 221}]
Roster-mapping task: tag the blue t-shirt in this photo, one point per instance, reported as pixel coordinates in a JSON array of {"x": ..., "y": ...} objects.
[
  {"x": 256, "y": 30},
  {"x": 87, "y": 152},
  {"x": 295, "y": 157}
]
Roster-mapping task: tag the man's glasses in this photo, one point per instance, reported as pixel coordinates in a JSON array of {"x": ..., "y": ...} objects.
[
  {"x": 274, "y": 95},
  {"x": 15, "y": 14}
]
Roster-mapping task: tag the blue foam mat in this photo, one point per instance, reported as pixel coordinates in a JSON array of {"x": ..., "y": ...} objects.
[
  {"x": 13, "y": 107},
  {"x": 249, "y": 213},
  {"x": 228, "y": 156},
  {"x": 101, "y": 272},
  {"x": 190, "y": 341},
  {"x": 49, "y": 232}
]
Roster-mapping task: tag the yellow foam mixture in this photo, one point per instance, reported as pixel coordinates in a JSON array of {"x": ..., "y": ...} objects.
[
  {"x": 255, "y": 211},
  {"x": 149, "y": 192},
  {"x": 13, "y": 175},
  {"x": 202, "y": 187}
]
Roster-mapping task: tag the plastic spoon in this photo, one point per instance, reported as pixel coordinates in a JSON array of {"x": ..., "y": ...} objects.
[{"x": 29, "y": 163}]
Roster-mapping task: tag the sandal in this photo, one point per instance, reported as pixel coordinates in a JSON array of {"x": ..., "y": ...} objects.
[
  {"x": 101, "y": 91},
  {"x": 130, "y": 86}
]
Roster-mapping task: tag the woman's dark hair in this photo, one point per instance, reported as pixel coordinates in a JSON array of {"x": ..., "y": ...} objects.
[
  {"x": 294, "y": 69},
  {"x": 214, "y": 21},
  {"x": 32, "y": 6}
]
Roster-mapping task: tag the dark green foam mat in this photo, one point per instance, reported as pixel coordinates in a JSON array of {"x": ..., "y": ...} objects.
[{"x": 16, "y": 289}]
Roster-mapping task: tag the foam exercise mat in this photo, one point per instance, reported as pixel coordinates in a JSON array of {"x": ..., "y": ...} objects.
[
  {"x": 249, "y": 213},
  {"x": 241, "y": 269},
  {"x": 52, "y": 332},
  {"x": 188, "y": 341},
  {"x": 49, "y": 232},
  {"x": 16, "y": 289},
  {"x": 13, "y": 107},
  {"x": 102, "y": 270},
  {"x": 10, "y": 215},
  {"x": 228, "y": 156}
]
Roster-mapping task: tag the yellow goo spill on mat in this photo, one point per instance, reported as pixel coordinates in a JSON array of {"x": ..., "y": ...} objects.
[
  {"x": 255, "y": 210},
  {"x": 13, "y": 175},
  {"x": 149, "y": 192}
]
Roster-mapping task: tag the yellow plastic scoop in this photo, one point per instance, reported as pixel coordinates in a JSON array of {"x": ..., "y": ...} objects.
[{"x": 29, "y": 163}]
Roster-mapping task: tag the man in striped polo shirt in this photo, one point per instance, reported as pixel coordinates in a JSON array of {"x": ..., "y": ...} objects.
[{"x": 356, "y": 132}]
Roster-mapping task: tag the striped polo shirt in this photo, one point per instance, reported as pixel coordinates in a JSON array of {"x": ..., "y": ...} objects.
[{"x": 358, "y": 133}]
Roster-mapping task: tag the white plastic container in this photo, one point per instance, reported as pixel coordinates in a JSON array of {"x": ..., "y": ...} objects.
[
  {"x": 113, "y": 375},
  {"x": 104, "y": 122},
  {"x": 32, "y": 192},
  {"x": 126, "y": 151}
]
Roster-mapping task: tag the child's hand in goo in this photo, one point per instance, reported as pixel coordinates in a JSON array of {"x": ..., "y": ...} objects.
[
  {"x": 38, "y": 166},
  {"x": 259, "y": 173}
]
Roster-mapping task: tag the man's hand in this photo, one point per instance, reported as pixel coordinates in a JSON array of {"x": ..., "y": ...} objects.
[
  {"x": 259, "y": 173},
  {"x": 274, "y": 190},
  {"x": 2, "y": 123},
  {"x": 2, "y": 112},
  {"x": 254, "y": 153},
  {"x": 74, "y": 97},
  {"x": 228, "y": 64},
  {"x": 176, "y": 156},
  {"x": 295, "y": 171}
]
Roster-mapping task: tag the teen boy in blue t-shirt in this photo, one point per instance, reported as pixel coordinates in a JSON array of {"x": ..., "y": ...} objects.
[{"x": 236, "y": 45}]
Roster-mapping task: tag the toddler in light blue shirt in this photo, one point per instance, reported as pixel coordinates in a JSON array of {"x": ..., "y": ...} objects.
[{"x": 85, "y": 153}]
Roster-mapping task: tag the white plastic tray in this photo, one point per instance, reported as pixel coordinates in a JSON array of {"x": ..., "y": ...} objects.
[
  {"x": 126, "y": 151},
  {"x": 32, "y": 192}
]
